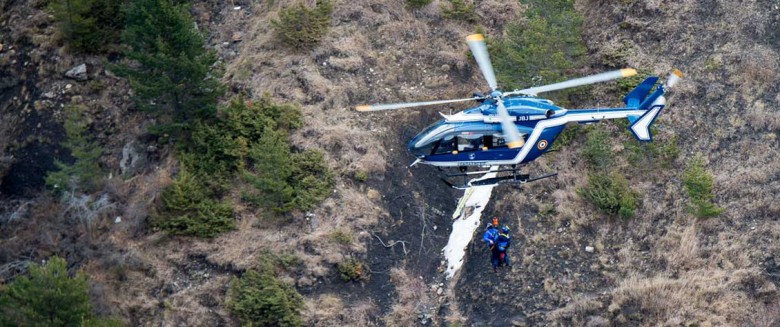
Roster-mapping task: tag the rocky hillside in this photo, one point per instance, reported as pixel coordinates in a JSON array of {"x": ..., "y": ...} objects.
[{"x": 574, "y": 265}]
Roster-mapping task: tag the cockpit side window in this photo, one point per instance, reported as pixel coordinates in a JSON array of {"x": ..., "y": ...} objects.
[
  {"x": 469, "y": 142},
  {"x": 498, "y": 141},
  {"x": 445, "y": 145}
]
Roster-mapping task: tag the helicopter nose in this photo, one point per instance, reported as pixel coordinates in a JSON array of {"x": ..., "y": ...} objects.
[{"x": 418, "y": 152}]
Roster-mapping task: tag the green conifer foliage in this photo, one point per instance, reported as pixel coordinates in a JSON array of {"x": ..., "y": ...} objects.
[
  {"x": 417, "y": 3},
  {"x": 302, "y": 27},
  {"x": 189, "y": 208},
  {"x": 252, "y": 139},
  {"x": 542, "y": 49},
  {"x": 311, "y": 179},
  {"x": 460, "y": 10},
  {"x": 88, "y": 25},
  {"x": 698, "y": 184},
  {"x": 607, "y": 188},
  {"x": 610, "y": 193},
  {"x": 85, "y": 173},
  {"x": 170, "y": 70},
  {"x": 48, "y": 297},
  {"x": 270, "y": 172},
  {"x": 258, "y": 298}
]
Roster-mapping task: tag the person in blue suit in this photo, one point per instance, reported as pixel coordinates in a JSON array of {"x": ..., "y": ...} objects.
[
  {"x": 490, "y": 236},
  {"x": 503, "y": 242}
]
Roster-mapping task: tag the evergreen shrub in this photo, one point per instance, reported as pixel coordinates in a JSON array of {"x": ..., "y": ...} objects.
[
  {"x": 260, "y": 298},
  {"x": 190, "y": 208},
  {"x": 49, "y": 297},
  {"x": 460, "y": 10},
  {"x": 88, "y": 25},
  {"x": 541, "y": 49},
  {"x": 698, "y": 184},
  {"x": 84, "y": 173},
  {"x": 610, "y": 193},
  {"x": 302, "y": 27},
  {"x": 417, "y": 3}
]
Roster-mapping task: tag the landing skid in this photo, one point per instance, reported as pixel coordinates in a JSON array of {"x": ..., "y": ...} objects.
[{"x": 513, "y": 178}]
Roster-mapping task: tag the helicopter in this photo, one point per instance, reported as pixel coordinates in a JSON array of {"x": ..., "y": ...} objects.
[{"x": 516, "y": 127}]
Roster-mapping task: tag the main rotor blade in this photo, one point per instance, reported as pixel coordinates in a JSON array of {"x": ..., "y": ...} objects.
[
  {"x": 509, "y": 128},
  {"x": 479, "y": 50},
  {"x": 391, "y": 106},
  {"x": 626, "y": 72}
]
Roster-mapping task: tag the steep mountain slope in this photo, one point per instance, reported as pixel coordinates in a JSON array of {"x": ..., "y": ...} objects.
[{"x": 663, "y": 266}]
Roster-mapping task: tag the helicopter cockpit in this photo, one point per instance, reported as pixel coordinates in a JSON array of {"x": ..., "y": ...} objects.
[{"x": 444, "y": 138}]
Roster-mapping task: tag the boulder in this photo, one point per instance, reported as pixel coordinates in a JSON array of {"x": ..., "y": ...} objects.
[
  {"x": 78, "y": 73},
  {"x": 134, "y": 159}
]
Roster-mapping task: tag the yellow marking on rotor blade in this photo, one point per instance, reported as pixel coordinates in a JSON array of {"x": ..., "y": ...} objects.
[
  {"x": 363, "y": 108},
  {"x": 475, "y": 37},
  {"x": 678, "y": 73},
  {"x": 515, "y": 144},
  {"x": 626, "y": 72}
]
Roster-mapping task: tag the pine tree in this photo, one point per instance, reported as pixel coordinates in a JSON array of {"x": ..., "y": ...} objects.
[
  {"x": 698, "y": 184},
  {"x": 88, "y": 25},
  {"x": 171, "y": 70},
  {"x": 47, "y": 297},
  {"x": 271, "y": 170},
  {"x": 84, "y": 173},
  {"x": 260, "y": 298}
]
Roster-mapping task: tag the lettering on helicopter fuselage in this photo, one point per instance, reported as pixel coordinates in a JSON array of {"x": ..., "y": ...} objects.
[
  {"x": 522, "y": 118},
  {"x": 472, "y": 163}
]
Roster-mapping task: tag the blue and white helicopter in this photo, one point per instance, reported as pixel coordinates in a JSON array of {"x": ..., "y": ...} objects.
[{"x": 516, "y": 127}]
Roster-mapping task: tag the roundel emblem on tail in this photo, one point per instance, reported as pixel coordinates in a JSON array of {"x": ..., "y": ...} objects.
[{"x": 542, "y": 144}]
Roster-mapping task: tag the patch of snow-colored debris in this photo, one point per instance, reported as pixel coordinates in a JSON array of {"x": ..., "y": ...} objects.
[{"x": 467, "y": 220}]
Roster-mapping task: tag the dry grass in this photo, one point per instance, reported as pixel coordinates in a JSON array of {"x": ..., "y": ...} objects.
[
  {"x": 412, "y": 300},
  {"x": 710, "y": 297},
  {"x": 330, "y": 310},
  {"x": 756, "y": 70}
]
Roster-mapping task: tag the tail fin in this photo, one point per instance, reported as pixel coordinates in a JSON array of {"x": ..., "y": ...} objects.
[
  {"x": 640, "y": 92},
  {"x": 641, "y": 98},
  {"x": 640, "y": 126}
]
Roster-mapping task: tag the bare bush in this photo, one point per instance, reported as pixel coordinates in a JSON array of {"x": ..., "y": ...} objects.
[
  {"x": 87, "y": 209},
  {"x": 21, "y": 211}
]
